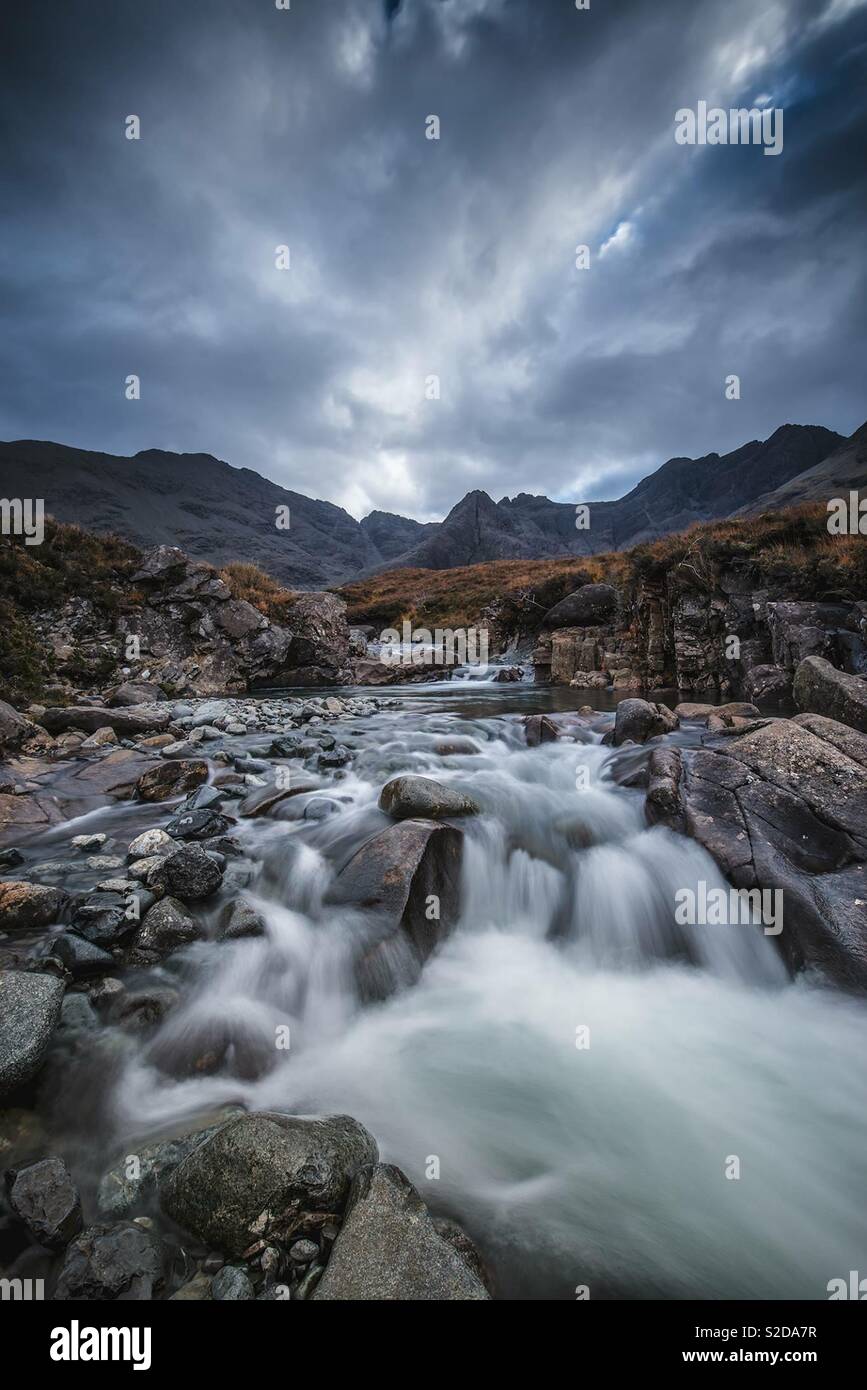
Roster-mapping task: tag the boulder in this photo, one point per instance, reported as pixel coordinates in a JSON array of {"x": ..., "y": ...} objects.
[
  {"x": 589, "y": 606},
  {"x": 258, "y": 1175},
  {"x": 319, "y": 654},
  {"x": 238, "y": 920},
  {"x": 404, "y": 798},
  {"x": 29, "y": 1013},
  {"x": 14, "y": 728},
  {"x": 782, "y": 805},
  {"x": 166, "y": 926},
  {"x": 119, "y": 1194},
  {"x": 640, "y": 720},
  {"x": 25, "y": 906},
  {"x": 103, "y": 738},
  {"x": 394, "y": 876},
  {"x": 136, "y": 693},
  {"x": 171, "y": 779},
  {"x": 389, "y": 1248},
  {"x": 130, "y": 722},
  {"x": 118, "y": 1261},
  {"x": 770, "y": 684},
  {"x": 150, "y": 843},
  {"x": 198, "y": 825},
  {"x": 45, "y": 1198},
  {"x": 540, "y": 729},
  {"x": 819, "y": 688},
  {"x": 190, "y": 873},
  {"x": 80, "y": 956}
]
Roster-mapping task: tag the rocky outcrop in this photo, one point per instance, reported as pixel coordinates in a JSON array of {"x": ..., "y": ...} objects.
[
  {"x": 389, "y": 1248},
  {"x": 589, "y": 606},
  {"x": 782, "y": 805},
  {"x": 258, "y": 1176},
  {"x": 819, "y": 688},
  {"x": 320, "y": 650}
]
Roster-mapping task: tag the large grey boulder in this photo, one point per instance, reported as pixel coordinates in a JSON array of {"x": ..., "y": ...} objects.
[
  {"x": 389, "y": 1248},
  {"x": 29, "y": 1013},
  {"x": 407, "y": 878},
  {"x": 129, "y": 722},
  {"x": 46, "y": 1199},
  {"x": 589, "y": 606},
  {"x": 404, "y": 798},
  {"x": 258, "y": 1175},
  {"x": 14, "y": 728},
  {"x": 782, "y": 805},
  {"x": 640, "y": 720},
  {"x": 320, "y": 652},
  {"x": 123, "y": 1261},
  {"x": 819, "y": 688}
]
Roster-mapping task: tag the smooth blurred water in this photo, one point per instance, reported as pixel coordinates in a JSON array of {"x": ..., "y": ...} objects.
[{"x": 602, "y": 1165}]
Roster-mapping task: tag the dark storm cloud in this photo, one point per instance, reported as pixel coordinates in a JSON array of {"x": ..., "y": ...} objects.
[{"x": 409, "y": 257}]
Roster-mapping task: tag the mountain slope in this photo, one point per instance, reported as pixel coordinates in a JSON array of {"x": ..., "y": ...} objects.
[
  {"x": 842, "y": 471},
  {"x": 682, "y": 491},
  {"x": 218, "y": 513}
]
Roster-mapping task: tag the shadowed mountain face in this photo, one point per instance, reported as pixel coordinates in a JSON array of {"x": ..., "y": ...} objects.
[
  {"x": 834, "y": 476},
  {"x": 218, "y": 513}
]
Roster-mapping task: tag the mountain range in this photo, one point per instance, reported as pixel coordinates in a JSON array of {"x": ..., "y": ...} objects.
[{"x": 219, "y": 513}]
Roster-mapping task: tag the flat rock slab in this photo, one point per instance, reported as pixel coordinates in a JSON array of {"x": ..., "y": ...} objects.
[
  {"x": 389, "y": 1248},
  {"x": 127, "y": 723}
]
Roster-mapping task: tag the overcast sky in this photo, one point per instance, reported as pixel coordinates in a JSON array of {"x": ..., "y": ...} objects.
[{"x": 411, "y": 257}]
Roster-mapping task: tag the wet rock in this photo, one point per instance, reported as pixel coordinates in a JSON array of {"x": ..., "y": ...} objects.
[
  {"x": 189, "y": 874},
  {"x": 80, "y": 956},
  {"x": 455, "y": 747},
  {"x": 320, "y": 808},
  {"x": 136, "y": 693},
  {"x": 783, "y": 806},
  {"x": 166, "y": 926},
  {"x": 389, "y": 1248},
  {"x": 196, "y": 1290},
  {"x": 198, "y": 825},
  {"x": 404, "y": 798},
  {"x": 104, "y": 919},
  {"x": 10, "y": 858},
  {"x": 77, "y": 1016},
  {"x": 150, "y": 843},
  {"x": 640, "y": 720},
  {"x": 203, "y": 798},
  {"x": 589, "y": 606},
  {"x": 770, "y": 684},
  {"x": 171, "y": 779},
  {"x": 132, "y": 1187},
  {"x": 46, "y": 1199},
  {"x": 25, "y": 906},
  {"x": 22, "y": 1137},
  {"x": 254, "y": 1179},
  {"x": 118, "y": 1261},
  {"x": 142, "y": 1009},
  {"x": 819, "y": 688},
  {"x": 29, "y": 1013},
  {"x": 89, "y": 842},
  {"x": 232, "y": 1283},
  {"x": 303, "y": 1251},
  {"x": 127, "y": 723},
  {"x": 408, "y": 879},
  {"x": 238, "y": 920},
  {"x": 338, "y": 756},
  {"x": 540, "y": 729}
]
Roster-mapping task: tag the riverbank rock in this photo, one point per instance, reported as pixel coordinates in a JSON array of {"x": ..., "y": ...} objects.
[
  {"x": 189, "y": 874},
  {"x": 171, "y": 779},
  {"x": 640, "y": 720},
  {"x": 408, "y": 878},
  {"x": 29, "y": 1013},
  {"x": 258, "y": 1175},
  {"x": 119, "y": 1261},
  {"x": 129, "y": 722},
  {"x": 46, "y": 1199},
  {"x": 404, "y": 798},
  {"x": 14, "y": 728},
  {"x": 389, "y": 1248},
  {"x": 819, "y": 688},
  {"x": 770, "y": 684},
  {"x": 24, "y": 906},
  {"x": 589, "y": 606},
  {"x": 135, "y": 693},
  {"x": 166, "y": 926},
  {"x": 320, "y": 650},
  {"x": 782, "y": 805}
]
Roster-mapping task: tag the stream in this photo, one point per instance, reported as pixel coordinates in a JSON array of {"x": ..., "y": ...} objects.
[{"x": 572, "y": 1074}]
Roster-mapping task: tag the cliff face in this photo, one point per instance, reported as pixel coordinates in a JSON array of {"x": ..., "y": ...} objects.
[{"x": 706, "y": 626}]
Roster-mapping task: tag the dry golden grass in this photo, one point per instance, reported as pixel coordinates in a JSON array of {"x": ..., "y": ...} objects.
[
  {"x": 790, "y": 548},
  {"x": 248, "y": 582}
]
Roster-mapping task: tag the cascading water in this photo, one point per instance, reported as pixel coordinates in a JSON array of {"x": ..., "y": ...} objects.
[{"x": 573, "y": 1073}]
